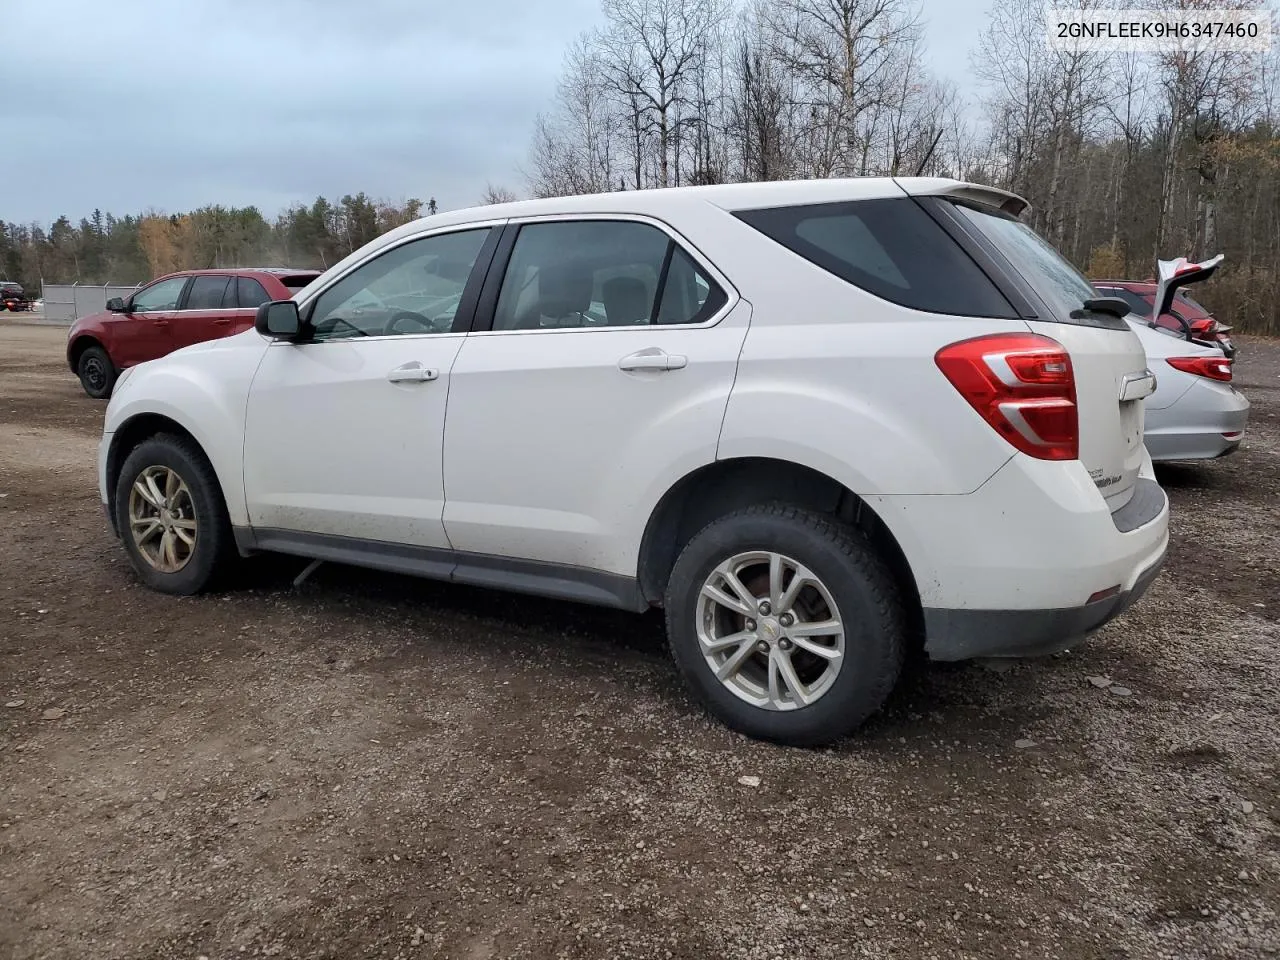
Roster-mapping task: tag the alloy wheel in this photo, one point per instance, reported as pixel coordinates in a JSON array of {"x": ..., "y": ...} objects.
[
  {"x": 769, "y": 630},
  {"x": 162, "y": 519}
]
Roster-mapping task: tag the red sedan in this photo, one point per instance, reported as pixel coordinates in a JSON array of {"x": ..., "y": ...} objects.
[
  {"x": 172, "y": 312},
  {"x": 1185, "y": 316}
]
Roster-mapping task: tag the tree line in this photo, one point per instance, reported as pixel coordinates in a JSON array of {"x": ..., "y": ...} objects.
[
  {"x": 1124, "y": 156},
  {"x": 103, "y": 248}
]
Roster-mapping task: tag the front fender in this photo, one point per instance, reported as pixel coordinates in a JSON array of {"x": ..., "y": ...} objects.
[{"x": 207, "y": 399}]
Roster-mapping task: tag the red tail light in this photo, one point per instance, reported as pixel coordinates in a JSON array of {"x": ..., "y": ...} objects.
[
  {"x": 1215, "y": 368},
  {"x": 1023, "y": 385},
  {"x": 1204, "y": 327}
]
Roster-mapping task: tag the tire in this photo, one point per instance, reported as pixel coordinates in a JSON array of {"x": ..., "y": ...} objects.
[
  {"x": 97, "y": 373},
  {"x": 202, "y": 561},
  {"x": 849, "y": 576}
]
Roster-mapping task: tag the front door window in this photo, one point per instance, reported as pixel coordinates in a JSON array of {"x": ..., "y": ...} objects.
[
  {"x": 412, "y": 289},
  {"x": 159, "y": 296}
]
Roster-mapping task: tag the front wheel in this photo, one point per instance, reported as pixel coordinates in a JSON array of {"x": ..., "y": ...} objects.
[
  {"x": 785, "y": 624},
  {"x": 97, "y": 373},
  {"x": 171, "y": 516}
]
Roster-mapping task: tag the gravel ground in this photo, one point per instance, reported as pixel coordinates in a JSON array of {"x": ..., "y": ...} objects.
[{"x": 372, "y": 766}]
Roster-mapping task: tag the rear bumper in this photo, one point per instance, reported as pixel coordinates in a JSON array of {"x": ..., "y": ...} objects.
[
  {"x": 1030, "y": 562},
  {"x": 968, "y": 634},
  {"x": 1206, "y": 422}
]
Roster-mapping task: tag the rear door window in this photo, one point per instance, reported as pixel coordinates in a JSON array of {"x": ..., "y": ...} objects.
[
  {"x": 688, "y": 295},
  {"x": 602, "y": 273},
  {"x": 889, "y": 247},
  {"x": 206, "y": 293}
]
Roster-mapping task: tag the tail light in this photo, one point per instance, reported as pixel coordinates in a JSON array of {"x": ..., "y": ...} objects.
[
  {"x": 1215, "y": 368},
  {"x": 1204, "y": 327},
  {"x": 1023, "y": 385}
]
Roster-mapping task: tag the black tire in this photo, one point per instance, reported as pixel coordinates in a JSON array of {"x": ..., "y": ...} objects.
[
  {"x": 96, "y": 372},
  {"x": 214, "y": 544},
  {"x": 859, "y": 582}
]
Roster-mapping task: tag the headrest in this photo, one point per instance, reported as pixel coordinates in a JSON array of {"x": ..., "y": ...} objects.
[
  {"x": 564, "y": 289},
  {"x": 626, "y": 299}
]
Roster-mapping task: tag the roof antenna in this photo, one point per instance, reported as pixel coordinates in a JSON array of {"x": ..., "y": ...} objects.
[{"x": 928, "y": 156}]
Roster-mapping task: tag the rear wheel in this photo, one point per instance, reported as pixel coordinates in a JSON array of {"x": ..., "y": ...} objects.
[
  {"x": 785, "y": 624},
  {"x": 96, "y": 371},
  {"x": 171, "y": 516}
]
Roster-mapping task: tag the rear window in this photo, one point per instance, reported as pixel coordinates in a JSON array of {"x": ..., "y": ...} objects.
[
  {"x": 1063, "y": 287},
  {"x": 891, "y": 248},
  {"x": 294, "y": 284},
  {"x": 1181, "y": 299},
  {"x": 1137, "y": 303}
]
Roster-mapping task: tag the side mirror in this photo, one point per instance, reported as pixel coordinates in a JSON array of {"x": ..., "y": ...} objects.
[
  {"x": 116, "y": 305},
  {"x": 278, "y": 319}
]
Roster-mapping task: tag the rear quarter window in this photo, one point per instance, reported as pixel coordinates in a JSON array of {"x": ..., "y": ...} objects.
[
  {"x": 295, "y": 284},
  {"x": 889, "y": 247},
  {"x": 251, "y": 293}
]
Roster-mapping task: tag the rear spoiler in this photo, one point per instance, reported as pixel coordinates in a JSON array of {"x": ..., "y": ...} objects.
[
  {"x": 1010, "y": 203},
  {"x": 1179, "y": 273}
]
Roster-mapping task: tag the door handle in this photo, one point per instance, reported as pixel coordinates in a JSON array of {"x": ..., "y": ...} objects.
[
  {"x": 652, "y": 358},
  {"x": 223, "y": 321},
  {"x": 161, "y": 323},
  {"x": 412, "y": 373}
]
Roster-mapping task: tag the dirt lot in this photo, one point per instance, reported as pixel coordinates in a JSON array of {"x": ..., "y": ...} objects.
[{"x": 369, "y": 766}]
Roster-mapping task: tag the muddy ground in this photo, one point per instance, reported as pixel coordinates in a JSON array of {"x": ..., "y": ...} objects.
[{"x": 372, "y": 766}]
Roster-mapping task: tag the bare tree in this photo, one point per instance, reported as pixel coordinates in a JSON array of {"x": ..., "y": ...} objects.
[
  {"x": 498, "y": 194},
  {"x": 846, "y": 55},
  {"x": 573, "y": 147},
  {"x": 1204, "y": 92},
  {"x": 760, "y": 104},
  {"x": 659, "y": 47}
]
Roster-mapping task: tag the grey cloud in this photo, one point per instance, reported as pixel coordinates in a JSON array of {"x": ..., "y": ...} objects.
[
  {"x": 145, "y": 104},
  {"x": 131, "y": 104}
]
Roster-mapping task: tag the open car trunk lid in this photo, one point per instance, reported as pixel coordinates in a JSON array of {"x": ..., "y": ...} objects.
[{"x": 1108, "y": 359}]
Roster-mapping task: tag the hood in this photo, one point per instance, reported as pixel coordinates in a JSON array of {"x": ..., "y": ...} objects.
[{"x": 209, "y": 346}]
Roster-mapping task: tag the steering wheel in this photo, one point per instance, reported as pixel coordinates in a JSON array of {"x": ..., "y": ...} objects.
[
  {"x": 331, "y": 324},
  {"x": 408, "y": 316}
]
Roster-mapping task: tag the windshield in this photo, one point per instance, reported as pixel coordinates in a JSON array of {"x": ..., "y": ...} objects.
[{"x": 1061, "y": 285}]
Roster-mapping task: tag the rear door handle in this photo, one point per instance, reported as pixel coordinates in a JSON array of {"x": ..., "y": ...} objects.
[
  {"x": 413, "y": 372},
  {"x": 652, "y": 358},
  {"x": 223, "y": 321}
]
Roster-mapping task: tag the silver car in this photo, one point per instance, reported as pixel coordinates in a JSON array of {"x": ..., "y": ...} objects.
[{"x": 1195, "y": 413}]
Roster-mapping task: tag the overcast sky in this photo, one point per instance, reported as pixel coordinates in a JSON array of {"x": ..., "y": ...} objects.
[{"x": 127, "y": 105}]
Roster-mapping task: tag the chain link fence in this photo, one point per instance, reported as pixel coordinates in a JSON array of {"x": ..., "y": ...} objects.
[{"x": 68, "y": 302}]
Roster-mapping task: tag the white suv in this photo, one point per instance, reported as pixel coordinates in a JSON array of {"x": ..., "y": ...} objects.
[{"x": 817, "y": 422}]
